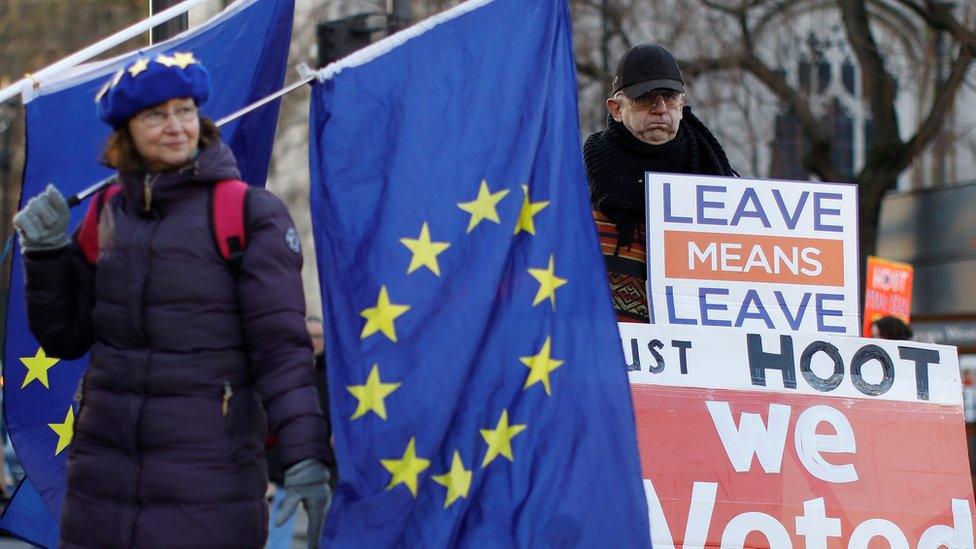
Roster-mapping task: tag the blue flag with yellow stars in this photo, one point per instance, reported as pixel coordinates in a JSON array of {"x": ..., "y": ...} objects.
[
  {"x": 245, "y": 49},
  {"x": 478, "y": 389}
]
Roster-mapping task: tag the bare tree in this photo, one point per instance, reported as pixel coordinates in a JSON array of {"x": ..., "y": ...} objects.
[
  {"x": 34, "y": 34},
  {"x": 889, "y": 154},
  {"x": 744, "y": 38}
]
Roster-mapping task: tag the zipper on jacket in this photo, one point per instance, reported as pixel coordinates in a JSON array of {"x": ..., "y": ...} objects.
[
  {"x": 147, "y": 192},
  {"x": 193, "y": 168},
  {"x": 228, "y": 393}
]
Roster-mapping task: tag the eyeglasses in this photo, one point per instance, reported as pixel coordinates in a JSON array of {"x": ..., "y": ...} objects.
[
  {"x": 649, "y": 100},
  {"x": 157, "y": 117}
]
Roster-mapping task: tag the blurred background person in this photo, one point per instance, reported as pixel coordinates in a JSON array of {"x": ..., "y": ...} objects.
[
  {"x": 282, "y": 533},
  {"x": 890, "y": 327}
]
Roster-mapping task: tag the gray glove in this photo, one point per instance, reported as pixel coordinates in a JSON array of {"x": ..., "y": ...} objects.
[
  {"x": 308, "y": 482},
  {"x": 43, "y": 223}
]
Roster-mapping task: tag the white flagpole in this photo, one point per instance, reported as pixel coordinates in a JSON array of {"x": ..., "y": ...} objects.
[
  {"x": 96, "y": 49},
  {"x": 262, "y": 102}
]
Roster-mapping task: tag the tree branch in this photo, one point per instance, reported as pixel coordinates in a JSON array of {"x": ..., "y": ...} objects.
[
  {"x": 878, "y": 84},
  {"x": 743, "y": 20},
  {"x": 711, "y": 4},
  {"x": 617, "y": 16},
  {"x": 941, "y": 106},
  {"x": 769, "y": 15},
  {"x": 818, "y": 161},
  {"x": 591, "y": 70},
  {"x": 938, "y": 17},
  {"x": 697, "y": 67}
]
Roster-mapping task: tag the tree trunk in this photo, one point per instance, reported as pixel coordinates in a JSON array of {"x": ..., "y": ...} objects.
[{"x": 871, "y": 192}]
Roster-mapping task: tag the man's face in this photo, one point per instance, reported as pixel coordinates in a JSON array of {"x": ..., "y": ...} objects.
[{"x": 652, "y": 118}]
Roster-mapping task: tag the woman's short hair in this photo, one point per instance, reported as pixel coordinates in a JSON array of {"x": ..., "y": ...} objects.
[{"x": 120, "y": 150}]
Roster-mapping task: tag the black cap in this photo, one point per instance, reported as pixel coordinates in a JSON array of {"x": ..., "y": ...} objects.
[{"x": 644, "y": 68}]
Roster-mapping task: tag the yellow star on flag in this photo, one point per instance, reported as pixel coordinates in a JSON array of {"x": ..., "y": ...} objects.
[
  {"x": 540, "y": 365},
  {"x": 483, "y": 207},
  {"x": 380, "y": 318},
  {"x": 37, "y": 367},
  {"x": 371, "y": 395},
  {"x": 139, "y": 66},
  {"x": 500, "y": 438},
  {"x": 525, "y": 220},
  {"x": 548, "y": 283},
  {"x": 64, "y": 430},
  {"x": 183, "y": 59},
  {"x": 406, "y": 469},
  {"x": 457, "y": 480},
  {"x": 424, "y": 251},
  {"x": 164, "y": 59}
]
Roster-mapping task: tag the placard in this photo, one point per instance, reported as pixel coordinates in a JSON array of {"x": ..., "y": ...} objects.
[
  {"x": 887, "y": 291},
  {"x": 765, "y": 439},
  {"x": 751, "y": 253}
]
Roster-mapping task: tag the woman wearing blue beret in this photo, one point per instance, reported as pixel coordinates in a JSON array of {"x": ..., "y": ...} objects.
[{"x": 191, "y": 355}]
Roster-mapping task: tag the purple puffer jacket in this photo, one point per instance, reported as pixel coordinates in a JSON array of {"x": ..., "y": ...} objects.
[{"x": 168, "y": 449}]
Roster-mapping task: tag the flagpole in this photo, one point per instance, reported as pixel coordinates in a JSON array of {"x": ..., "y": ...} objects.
[
  {"x": 96, "y": 49},
  {"x": 307, "y": 76},
  {"x": 262, "y": 102}
]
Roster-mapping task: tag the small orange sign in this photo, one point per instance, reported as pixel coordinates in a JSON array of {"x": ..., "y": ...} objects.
[{"x": 888, "y": 291}]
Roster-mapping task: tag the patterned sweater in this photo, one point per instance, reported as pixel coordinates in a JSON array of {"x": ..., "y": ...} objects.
[{"x": 626, "y": 269}]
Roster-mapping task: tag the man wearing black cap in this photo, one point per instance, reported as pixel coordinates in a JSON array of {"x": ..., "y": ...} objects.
[{"x": 649, "y": 129}]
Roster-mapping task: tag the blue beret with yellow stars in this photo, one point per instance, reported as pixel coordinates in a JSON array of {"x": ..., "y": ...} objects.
[{"x": 150, "y": 81}]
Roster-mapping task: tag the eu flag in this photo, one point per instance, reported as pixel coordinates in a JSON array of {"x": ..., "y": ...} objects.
[
  {"x": 245, "y": 49},
  {"x": 479, "y": 395}
]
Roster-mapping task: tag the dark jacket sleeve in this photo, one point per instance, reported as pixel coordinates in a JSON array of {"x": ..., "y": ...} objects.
[
  {"x": 273, "y": 317},
  {"x": 60, "y": 288}
]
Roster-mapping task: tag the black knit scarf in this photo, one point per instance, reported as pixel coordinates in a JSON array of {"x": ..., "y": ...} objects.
[{"x": 616, "y": 162}]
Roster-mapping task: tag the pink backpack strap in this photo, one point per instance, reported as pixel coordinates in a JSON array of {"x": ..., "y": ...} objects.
[
  {"x": 228, "y": 203},
  {"x": 88, "y": 233}
]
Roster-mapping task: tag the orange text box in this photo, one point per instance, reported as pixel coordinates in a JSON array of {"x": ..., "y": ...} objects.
[{"x": 753, "y": 258}]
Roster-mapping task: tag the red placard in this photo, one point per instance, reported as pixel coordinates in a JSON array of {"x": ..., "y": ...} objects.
[
  {"x": 843, "y": 442},
  {"x": 887, "y": 291}
]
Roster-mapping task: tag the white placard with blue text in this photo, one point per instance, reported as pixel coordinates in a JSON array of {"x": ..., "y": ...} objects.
[{"x": 752, "y": 253}]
